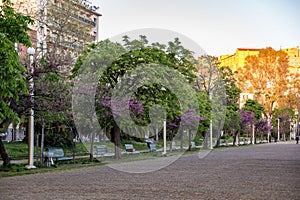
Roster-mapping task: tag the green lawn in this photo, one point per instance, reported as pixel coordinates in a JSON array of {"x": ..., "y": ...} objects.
[
  {"x": 16, "y": 149},
  {"x": 19, "y": 150}
]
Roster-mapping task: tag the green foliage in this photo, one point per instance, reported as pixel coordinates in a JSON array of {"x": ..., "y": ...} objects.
[
  {"x": 11, "y": 79},
  {"x": 285, "y": 116},
  {"x": 232, "y": 90},
  {"x": 198, "y": 140},
  {"x": 233, "y": 117},
  {"x": 232, "y": 120},
  {"x": 114, "y": 61},
  {"x": 96, "y": 57},
  {"x": 255, "y": 107},
  {"x": 205, "y": 111},
  {"x": 14, "y": 26},
  {"x": 13, "y": 29},
  {"x": 57, "y": 140}
]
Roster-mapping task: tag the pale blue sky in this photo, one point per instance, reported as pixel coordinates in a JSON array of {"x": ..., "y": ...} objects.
[{"x": 218, "y": 26}]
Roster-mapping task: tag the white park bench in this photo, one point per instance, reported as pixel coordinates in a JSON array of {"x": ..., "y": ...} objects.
[{"x": 130, "y": 150}]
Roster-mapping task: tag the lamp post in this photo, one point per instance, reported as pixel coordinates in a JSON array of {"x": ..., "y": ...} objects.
[
  {"x": 30, "y": 165},
  {"x": 210, "y": 126},
  {"x": 278, "y": 133},
  {"x": 291, "y": 129},
  {"x": 165, "y": 138}
]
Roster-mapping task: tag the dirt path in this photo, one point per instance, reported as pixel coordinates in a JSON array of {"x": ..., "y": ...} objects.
[{"x": 268, "y": 171}]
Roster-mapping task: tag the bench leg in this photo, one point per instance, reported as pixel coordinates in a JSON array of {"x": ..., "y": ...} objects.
[
  {"x": 48, "y": 162},
  {"x": 51, "y": 161}
]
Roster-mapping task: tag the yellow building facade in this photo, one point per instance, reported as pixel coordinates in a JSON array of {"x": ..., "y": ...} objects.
[
  {"x": 237, "y": 60},
  {"x": 294, "y": 58}
]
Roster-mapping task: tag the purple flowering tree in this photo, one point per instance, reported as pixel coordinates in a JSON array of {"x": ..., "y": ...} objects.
[
  {"x": 188, "y": 121},
  {"x": 247, "y": 120},
  {"x": 262, "y": 128}
]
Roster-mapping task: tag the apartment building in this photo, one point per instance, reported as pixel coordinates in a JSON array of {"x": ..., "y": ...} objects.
[
  {"x": 237, "y": 60},
  {"x": 65, "y": 24},
  {"x": 294, "y": 58}
]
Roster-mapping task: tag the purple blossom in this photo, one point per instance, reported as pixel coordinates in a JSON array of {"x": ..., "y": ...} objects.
[
  {"x": 263, "y": 126},
  {"x": 189, "y": 118},
  {"x": 247, "y": 117}
]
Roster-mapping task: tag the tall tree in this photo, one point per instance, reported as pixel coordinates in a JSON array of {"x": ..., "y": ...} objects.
[
  {"x": 266, "y": 75},
  {"x": 284, "y": 117},
  {"x": 256, "y": 108},
  {"x": 13, "y": 29},
  {"x": 246, "y": 123},
  {"x": 233, "y": 117},
  {"x": 152, "y": 93},
  {"x": 118, "y": 69},
  {"x": 86, "y": 74},
  {"x": 210, "y": 81}
]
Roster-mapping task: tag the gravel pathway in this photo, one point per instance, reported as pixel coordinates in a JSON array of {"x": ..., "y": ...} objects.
[{"x": 267, "y": 171}]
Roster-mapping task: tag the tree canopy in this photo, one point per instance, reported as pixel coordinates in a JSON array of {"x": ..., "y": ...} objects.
[
  {"x": 13, "y": 29},
  {"x": 255, "y": 107},
  {"x": 267, "y": 76},
  {"x": 146, "y": 74}
]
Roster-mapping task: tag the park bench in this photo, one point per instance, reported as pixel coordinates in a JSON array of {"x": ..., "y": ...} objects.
[
  {"x": 102, "y": 151},
  {"x": 152, "y": 147},
  {"x": 193, "y": 145},
  {"x": 129, "y": 149},
  {"x": 55, "y": 152}
]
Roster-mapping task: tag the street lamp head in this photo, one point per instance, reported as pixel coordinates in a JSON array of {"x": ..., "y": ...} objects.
[{"x": 31, "y": 51}]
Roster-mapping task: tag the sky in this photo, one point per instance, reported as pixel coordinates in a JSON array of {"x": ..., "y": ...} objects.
[{"x": 218, "y": 26}]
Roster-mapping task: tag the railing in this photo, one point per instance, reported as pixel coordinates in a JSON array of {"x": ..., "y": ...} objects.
[{"x": 84, "y": 20}]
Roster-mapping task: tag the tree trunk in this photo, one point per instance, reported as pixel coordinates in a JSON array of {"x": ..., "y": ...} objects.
[
  {"x": 206, "y": 140},
  {"x": 37, "y": 147},
  {"x": 218, "y": 135},
  {"x": 12, "y": 135},
  {"x": 73, "y": 144},
  {"x": 116, "y": 136},
  {"x": 92, "y": 147},
  {"x": 4, "y": 155},
  {"x": 156, "y": 133},
  {"x": 171, "y": 141},
  {"x": 181, "y": 140},
  {"x": 190, "y": 139},
  {"x": 235, "y": 137},
  {"x": 42, "y": 143},
  {"x": 218, "y": 142}
]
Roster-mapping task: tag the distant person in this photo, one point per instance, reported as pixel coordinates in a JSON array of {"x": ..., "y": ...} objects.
[{"x": 297, "y": 139}]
